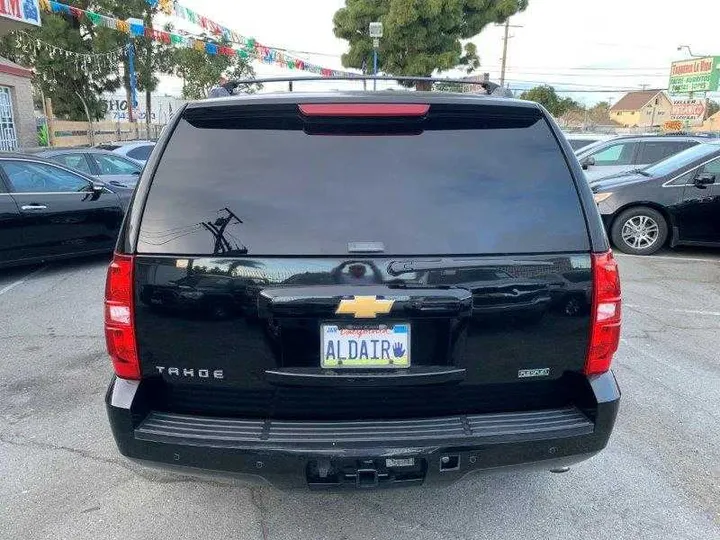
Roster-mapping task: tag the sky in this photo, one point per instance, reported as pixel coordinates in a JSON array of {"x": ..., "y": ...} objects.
[{"x": 604, "y": 46}]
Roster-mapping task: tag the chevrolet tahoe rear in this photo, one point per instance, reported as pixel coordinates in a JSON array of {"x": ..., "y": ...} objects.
[{"x": 362, "y": 290}]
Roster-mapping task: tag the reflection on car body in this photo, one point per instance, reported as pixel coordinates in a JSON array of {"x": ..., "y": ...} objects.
[
  {"x": 568, "y": 293},
  {"x": 208, "y": 288},
  {"x": 496, "y": 293}
]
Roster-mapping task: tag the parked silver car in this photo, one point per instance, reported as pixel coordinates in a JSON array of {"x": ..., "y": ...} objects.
[
  {"x": 624, "y": 154},
  {"x": 138, "y": 151},
  {"x": 580, "y": 141},
  {"x": 103, "y": 165}
]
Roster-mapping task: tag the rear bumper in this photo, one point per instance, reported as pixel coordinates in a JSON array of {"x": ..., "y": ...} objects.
[{"x": 384, "y": 453}]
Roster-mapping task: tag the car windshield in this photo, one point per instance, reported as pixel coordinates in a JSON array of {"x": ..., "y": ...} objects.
[
  {"x": 577, "y": 144},
  {"x": 684, "y": 158},
  {"x": 585, "y": 150}
]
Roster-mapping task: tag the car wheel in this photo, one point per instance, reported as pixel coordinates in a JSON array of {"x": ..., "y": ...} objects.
[{"x": 639, "y": 231}]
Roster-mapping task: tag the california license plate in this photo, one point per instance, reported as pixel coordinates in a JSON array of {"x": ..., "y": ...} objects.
[{"x": 365, "y": 346}]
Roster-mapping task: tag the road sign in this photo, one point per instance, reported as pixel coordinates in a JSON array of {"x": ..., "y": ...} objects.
[
  {"x": 689, "y": 111},
  {"x": 696, "y": 75},
  {"x": 376, "y": 30}
]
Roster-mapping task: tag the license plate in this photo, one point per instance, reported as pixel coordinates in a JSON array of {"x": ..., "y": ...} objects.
[{"x": 365, "y": 346}]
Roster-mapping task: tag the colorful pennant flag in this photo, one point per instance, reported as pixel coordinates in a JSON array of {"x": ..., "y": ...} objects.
[
  {"x": 248, "y": 47},
  {"x": 267, "y": 55}
]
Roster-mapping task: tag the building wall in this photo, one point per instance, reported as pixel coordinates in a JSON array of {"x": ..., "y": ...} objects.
[
  {"x": 645, "y": 117},
  {"x": 23, "y": 108},
  {"x": 662, "y": 112},
  {"x": 163, "y": 106},
  {"x": 711, "y": 124},
  {"x": 626, "y": 118}
]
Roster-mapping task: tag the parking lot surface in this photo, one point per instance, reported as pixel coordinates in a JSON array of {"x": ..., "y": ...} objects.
[{"x": 659, "y": 478}]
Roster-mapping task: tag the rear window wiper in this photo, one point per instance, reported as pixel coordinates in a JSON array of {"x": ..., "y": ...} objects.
[
  {"x": 396, "y": 268},
  {"x": 640, "y": 172}
]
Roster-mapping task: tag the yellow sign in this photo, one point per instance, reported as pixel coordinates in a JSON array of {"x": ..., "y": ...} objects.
[{"x": 364, "y": 307}]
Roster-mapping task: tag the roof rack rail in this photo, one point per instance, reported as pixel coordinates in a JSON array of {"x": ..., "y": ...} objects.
[{"x": 490, "y": 88}]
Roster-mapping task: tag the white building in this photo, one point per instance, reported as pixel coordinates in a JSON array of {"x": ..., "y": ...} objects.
[{"x": 162, "y": 107}]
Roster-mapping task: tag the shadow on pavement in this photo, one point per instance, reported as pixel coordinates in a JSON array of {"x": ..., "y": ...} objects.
[{"x": 14, "y": 273}]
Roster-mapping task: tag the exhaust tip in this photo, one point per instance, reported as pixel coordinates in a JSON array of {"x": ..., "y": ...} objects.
[{"x": 560, "y": 470}]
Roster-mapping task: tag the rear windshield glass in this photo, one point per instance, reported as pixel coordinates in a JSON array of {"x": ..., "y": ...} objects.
[{"x": 499, "y": 189}]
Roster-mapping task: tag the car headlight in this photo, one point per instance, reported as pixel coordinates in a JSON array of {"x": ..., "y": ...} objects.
[{"x": 600, "y": 197}]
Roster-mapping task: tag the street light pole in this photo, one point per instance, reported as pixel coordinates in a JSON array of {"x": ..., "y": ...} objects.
[
  {"x": 375, "y": 30},
  {"x": 132, "y": 102},
  {"x": 376, "y": 44},
  {"x": 681, "y": 47}
]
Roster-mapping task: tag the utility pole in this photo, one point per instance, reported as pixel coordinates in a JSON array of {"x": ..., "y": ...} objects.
[
  {"x": 655, "y": 104},
  {"x": 504, "y": 56},
  {"x": 217, "y": 229},
  {"x": 507, "y": 26}
]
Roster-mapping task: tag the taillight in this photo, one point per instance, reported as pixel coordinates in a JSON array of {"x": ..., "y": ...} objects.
[
  {"x": 119, "y": 317},
  {"x": 605, "y": 330}
]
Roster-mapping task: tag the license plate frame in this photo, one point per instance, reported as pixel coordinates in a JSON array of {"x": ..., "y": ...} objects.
[{"x": 395, "y": 331}]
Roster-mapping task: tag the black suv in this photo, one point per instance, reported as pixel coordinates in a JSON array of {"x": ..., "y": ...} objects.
[{"x": 362, "y": 289}]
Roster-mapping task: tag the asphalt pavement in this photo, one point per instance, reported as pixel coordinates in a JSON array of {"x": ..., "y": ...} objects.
[{"x": 659, "y": 478}]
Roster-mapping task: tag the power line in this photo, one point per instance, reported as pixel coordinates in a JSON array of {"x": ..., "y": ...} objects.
[
  {"x": 598, "y": 91},
  {"x": 561, "y": 83},
  {"x": 604, "y": 76},
  {"x": 663, "y": 70}
]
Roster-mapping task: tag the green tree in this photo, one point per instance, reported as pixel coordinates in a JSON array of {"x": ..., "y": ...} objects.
[
  {"x": 546, "y": 96},
  {"x": 201, "y": 71},
  {"x": 599, "y": 114},
  {"x": 419, "y": 36},
  {"x": 73, "y": 84},
  {"x": 152, "y": 57},
  {"x": 569, "y": 104}
]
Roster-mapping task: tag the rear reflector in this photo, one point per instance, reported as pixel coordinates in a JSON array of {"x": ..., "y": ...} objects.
[
  {"x": 606, "y": 315},
  {"x": 119, "y": 320},
  {"x": 364, "y": 109}
]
